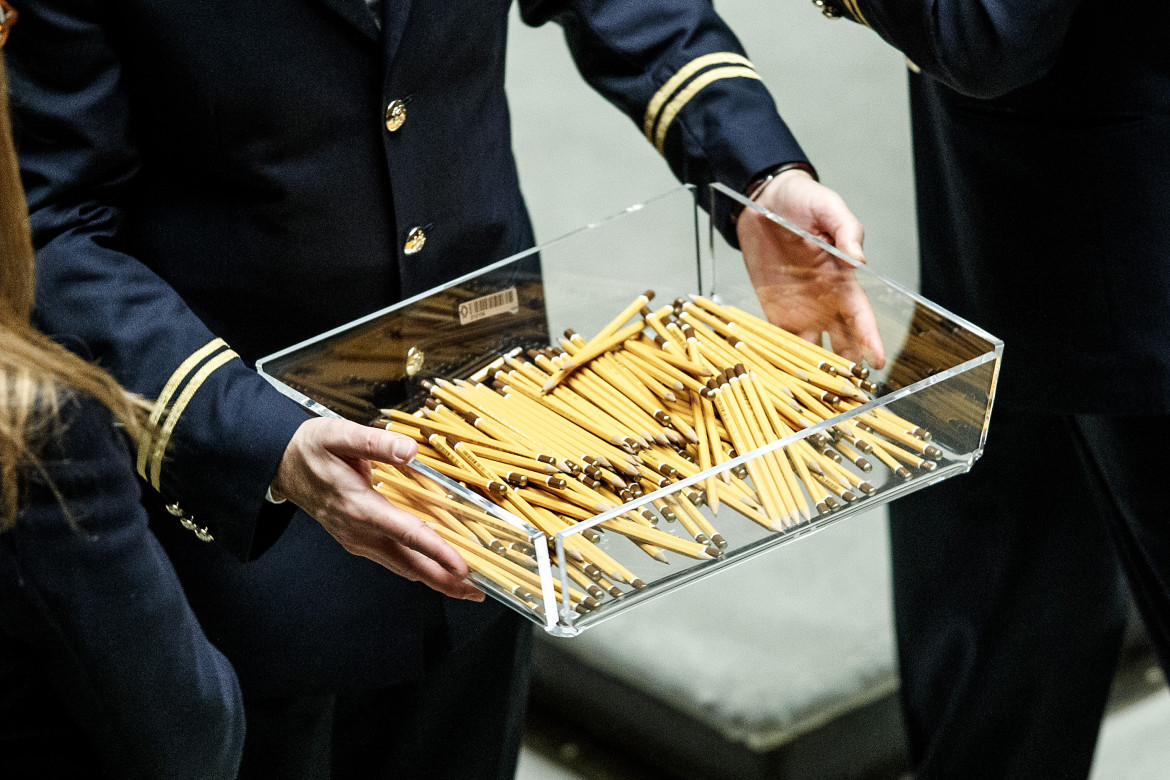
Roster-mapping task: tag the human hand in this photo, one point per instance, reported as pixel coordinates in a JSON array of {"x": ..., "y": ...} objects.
[
  {"x": 802, "y": 287},
  {"x": 326, "y": 472}
]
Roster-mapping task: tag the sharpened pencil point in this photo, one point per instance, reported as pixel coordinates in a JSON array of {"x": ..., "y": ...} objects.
[{"x": 719, "y": 541}]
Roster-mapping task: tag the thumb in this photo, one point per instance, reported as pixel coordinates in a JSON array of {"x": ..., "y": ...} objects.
[
  {"x": 844, "y": 229},
  {"x": 349, "y": 440}
]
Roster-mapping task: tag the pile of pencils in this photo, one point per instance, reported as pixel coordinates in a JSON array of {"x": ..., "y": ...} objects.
[{"x": 560, "y": 435}]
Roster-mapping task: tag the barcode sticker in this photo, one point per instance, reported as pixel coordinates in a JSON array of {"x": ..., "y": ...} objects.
[{"x": 502, "y": 302}]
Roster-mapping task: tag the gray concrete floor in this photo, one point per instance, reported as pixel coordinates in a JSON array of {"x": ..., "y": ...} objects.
[
  {"x": 1132, "y": 746},
  {"x": 843, "y": 93}
]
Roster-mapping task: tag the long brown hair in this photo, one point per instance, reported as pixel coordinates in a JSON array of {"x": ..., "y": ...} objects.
[{"x": 36, "y": 373}]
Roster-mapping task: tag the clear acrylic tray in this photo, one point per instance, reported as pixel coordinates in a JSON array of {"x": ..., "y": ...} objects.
[{"x": 568, "y": 556}]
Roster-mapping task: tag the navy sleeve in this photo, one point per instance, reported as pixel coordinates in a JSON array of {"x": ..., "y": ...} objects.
[
  {"x": 90, "y": 595},
  {"x": 680, "y": 74},
  {"x": 981, "y": 48},
  {"x": 222, "y": 428}
]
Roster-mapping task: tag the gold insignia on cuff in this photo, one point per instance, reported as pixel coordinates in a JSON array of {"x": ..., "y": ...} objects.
[
  {"x": 855, "y": 12},
  {"x": 673, "y": 95},
  {"x": 164, "y": 398},
  {"x": 176, "y": 412},
  {"x": 683, "y": 97}
]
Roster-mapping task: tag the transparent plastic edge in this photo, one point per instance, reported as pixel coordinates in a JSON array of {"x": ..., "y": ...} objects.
[
  {"x": 296, "y": 395},
  {"x": 779, "y": 220},
  {"x": 672, "y": 583},
  {"x": 675, "y": 487},
  {"x": 474, "y": 498},
  {"x": 469, "y": 276}
]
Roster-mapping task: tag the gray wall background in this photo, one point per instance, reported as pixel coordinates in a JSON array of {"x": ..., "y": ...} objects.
[{"x": 839, "y": 87}]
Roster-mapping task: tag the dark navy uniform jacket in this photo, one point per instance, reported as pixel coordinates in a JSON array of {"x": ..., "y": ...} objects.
[
  {"x": 212, "y": 181},
  {"x": 1042, "y": 153},
  {"x": 103, "y": 666}
]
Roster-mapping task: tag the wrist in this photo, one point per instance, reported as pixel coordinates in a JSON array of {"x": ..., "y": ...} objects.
[{"x": 761, "y": 180}]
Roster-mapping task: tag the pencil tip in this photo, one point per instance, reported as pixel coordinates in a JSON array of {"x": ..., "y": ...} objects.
[
  {"x": 719, "y": 541},
  {"x": 637, "y": 583}
]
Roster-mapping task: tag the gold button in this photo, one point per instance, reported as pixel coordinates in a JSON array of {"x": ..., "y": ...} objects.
[
  {"x": 414, "y": 241},
  {"x": 175, "y": 509},
  {"x": 187, "y": 523},
  {"x": 395, "y": 115},
  {"x": 414, "y": 360},
  {"x": 203, "y": 535}
]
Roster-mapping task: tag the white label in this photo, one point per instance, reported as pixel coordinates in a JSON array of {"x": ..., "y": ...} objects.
[{"x": 503, "y": 302}]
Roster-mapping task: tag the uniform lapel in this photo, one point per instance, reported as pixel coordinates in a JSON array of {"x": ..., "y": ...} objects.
[
  {"x": 357, "y": 13},
  {"x": 394, "y": 14}
]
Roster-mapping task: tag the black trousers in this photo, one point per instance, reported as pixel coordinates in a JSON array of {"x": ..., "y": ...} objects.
[
  {"x": 463, "y": 721},
  {"x": 1011, "y": 591}
]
